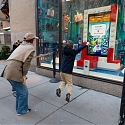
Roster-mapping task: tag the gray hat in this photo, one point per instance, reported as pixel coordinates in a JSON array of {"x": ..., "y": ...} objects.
[{"x": 30, "y": 36}]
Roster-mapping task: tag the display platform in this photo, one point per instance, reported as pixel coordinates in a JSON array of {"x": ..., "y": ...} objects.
[
  {"x": 109, "y": 66},
  {"x": 118, "y": 72}
]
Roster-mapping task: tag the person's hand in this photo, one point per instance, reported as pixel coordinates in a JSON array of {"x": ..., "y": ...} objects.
[
  {"x": 87, "y": 43},
  {"x": 24, "y": 80}
]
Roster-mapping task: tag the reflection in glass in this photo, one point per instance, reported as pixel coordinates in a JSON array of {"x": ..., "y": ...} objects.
[{"x": 47, "y": 29}]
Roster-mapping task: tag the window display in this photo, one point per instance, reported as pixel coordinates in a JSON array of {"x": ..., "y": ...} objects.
[
  {"x": 106, "y": 51},
  {"x": 98, "y": 34},
  {"x": 78, "y": 17},
  {"x": 47, "y": 29},
  {"x": 100, "y": 23}
]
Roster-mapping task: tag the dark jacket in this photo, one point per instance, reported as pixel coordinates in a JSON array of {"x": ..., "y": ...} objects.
[{"x": 68, "y": 59}]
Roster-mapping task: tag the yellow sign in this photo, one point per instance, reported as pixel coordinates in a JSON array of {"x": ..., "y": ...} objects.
[{"x": 99, "y": 18}]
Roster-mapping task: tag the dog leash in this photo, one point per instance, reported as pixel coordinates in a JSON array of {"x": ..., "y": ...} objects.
[{"x": 42, "y": 55}]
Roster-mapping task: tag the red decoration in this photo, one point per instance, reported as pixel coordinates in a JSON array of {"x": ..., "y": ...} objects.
[
  {"x": 113, "y": 13},
  {"x": 78, "y": 17},
  {"x": 93, "y": 59},
  {"x": 75, "y": 18},
  {"x": 110, "y": 58},
  {"x": 50, "y": 13}
]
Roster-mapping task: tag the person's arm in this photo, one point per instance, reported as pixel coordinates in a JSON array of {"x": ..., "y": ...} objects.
[
  {"x": 26, "y": 66},
  {"x": 81, "y": 48},
  {"x": 24, "y": 80}
]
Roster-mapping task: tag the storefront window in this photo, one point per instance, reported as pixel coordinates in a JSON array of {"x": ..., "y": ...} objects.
[
  {"x": 48, "y": 30},
  {"x": 85, "y": 20},
  {"x": 109, "y": 60},
  {"x": 120, "y": 40}
]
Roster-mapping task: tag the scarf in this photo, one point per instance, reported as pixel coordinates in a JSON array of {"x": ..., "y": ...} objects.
[{"x": 22, "y": 52}]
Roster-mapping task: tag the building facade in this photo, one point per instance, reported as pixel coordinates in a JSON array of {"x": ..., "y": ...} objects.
[{"x": 101, "y": 22}]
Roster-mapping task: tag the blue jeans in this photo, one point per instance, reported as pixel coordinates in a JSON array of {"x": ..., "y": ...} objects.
[{"x": 21, "y": 96}]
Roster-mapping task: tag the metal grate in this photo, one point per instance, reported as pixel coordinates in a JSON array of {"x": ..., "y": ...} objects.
[{"x": 99, "y": 3}]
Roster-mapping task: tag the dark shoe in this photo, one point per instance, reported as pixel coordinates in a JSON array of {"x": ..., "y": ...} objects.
[
  {"x": 68, "y": 97},
  {"x": 26, "y": 112},
  {"x": 58, "y": 92}
]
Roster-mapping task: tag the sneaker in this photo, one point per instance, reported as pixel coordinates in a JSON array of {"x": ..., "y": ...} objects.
[
  {"x": 14, "y": 93},
  {"x": 68, "y": 97},
  {"x": 26, "y": 112},
  {"x": 58, "y": 92}
]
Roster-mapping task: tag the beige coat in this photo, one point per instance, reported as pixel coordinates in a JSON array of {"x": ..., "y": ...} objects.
[{"x": 16, "y": 69}]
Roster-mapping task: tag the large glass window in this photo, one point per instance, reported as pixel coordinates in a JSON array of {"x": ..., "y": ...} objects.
[
  {"x": 73, "y": 29},
  {"x": 48, "y": 30}
]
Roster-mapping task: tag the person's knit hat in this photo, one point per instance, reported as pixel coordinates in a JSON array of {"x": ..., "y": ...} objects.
[{"x": 30, "y": 36}]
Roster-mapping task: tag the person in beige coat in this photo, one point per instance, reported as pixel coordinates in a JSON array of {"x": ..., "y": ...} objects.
[{"x": 16, "y": 69}]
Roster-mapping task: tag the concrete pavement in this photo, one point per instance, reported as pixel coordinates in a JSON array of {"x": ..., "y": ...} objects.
[{"x": 87, "y": 107}]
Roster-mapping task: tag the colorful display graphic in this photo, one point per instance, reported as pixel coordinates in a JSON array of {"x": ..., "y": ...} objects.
[
  {"x": 78, "y": 17},
  {"x": 50, "y": 13},
  {"x": 98, "y": 36}
]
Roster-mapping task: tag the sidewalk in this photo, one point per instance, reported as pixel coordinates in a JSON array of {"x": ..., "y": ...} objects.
[{"x": 87, "y": 107}]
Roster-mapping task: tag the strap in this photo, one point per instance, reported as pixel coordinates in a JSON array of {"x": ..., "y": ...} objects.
[
  {"x": 22, "y": 68},
  {"x": 41, "y": 55}
]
